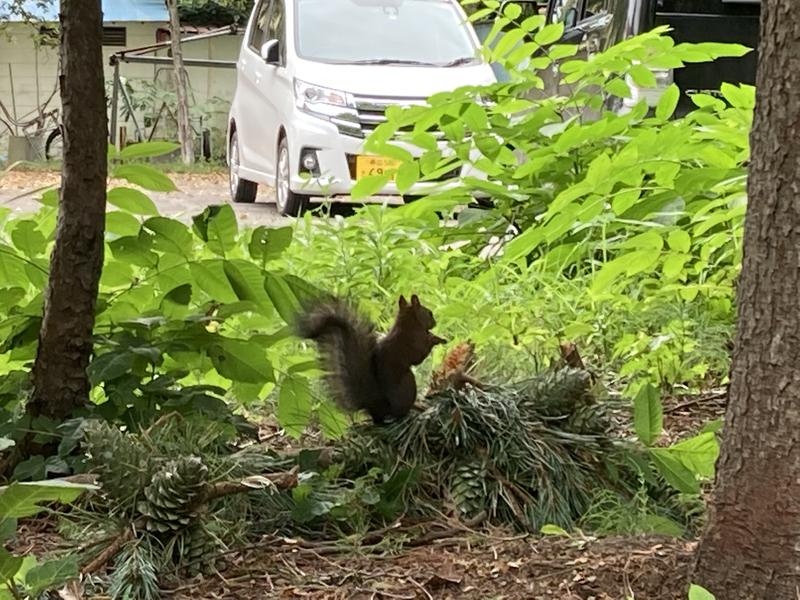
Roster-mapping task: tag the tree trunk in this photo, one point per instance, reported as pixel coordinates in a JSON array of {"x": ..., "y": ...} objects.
[
  {"x": 65, "y": 340},
  {"x": 185, "y": 135},
  {"x": 751, "y": 547}
]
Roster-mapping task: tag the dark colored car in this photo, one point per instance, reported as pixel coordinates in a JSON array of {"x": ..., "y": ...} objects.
[{"x": 598, "y": 24}]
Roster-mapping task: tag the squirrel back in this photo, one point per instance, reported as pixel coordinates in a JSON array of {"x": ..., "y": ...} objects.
[{"x": 364, "y": 372}]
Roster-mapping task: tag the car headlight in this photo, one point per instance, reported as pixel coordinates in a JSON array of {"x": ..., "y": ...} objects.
[{"x": 322, "y": 101}]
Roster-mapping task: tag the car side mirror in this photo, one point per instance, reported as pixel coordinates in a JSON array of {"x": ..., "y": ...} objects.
[{"x": 270, "y": 52}]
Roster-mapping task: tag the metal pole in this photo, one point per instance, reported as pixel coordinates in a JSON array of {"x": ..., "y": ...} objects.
[{"x": 114, "y": 102}]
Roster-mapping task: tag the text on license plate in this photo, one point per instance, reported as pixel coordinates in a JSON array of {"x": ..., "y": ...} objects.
[{"x": 374, "y": 165}]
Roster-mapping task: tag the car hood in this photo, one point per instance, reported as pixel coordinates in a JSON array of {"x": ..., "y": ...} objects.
[{"x": 396, "y": 81}]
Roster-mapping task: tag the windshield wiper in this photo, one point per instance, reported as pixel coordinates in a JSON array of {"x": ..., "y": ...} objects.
[
  {"x": 391, "y": 61},
  {"x": 464, "y": 60}
]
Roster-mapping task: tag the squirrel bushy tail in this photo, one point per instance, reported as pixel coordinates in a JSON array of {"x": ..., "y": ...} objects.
[{"x": 347, "y": 344}]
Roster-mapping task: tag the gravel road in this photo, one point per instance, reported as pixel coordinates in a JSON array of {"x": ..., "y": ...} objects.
[{"x": 195, "y": 192}]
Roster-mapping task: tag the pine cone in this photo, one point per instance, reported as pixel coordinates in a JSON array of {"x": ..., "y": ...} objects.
[
  {"x": 173, "y": 495},
  {"x": 123, "y": 465}
]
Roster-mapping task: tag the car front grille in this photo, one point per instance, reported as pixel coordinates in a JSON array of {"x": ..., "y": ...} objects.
[{"x": 370, "y": 111}]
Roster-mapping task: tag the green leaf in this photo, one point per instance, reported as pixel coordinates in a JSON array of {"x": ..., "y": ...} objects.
[
  {"x": 698, "y": 454},
  {"x": 294, "y": 405},
  {"x": 8, "y": 529},
  {"x": 549, "y": 34},
  {"x": 333, "y": 422},
  {"x": 145, "y": 177},
  {"x": 180, "y": 295},
  {"x": 240, "y": 360},
  {"x": 20, "y": 500},
  {"x": 148, "y": 150},
  {"x": 642, "y": 76},
  {"x": 618, "y": 88},
  {"x": 700, "y": 593},
  {"x": 668, "y": 102},
  {"x": 677, "y": 475},
  {"x": 217, "y": 226},
  {"x": 407, "y": 175},
  {"x": 134, "y": 249},
  {"x": 512, "y": 11},
  {"x": 9, "y": 565},
  {"x": 122, "y": 223},
  {"x": 551, "y": 529},
  {"x": 132, "y": 201},
  {"x": 679, "y": 240},
  {"x": 170, "y": 236},
  {"x": 28, "y": 239},
  {"x": 674, "y": 265},
  {"x": 282, "y": 297},
  {"x": 247, "y": 282},
  {"x": 51, "y": 574},
  {"x": 268, "y": 244},
  {"x": 111, "y": 365},
  {"x": 209, "y": 276},
  {"x": 648, "y": 415},
  {"x": 369, "y": 186}
]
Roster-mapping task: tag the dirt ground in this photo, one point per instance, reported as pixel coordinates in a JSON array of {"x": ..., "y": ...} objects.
[{"x": 18, "y": 191}]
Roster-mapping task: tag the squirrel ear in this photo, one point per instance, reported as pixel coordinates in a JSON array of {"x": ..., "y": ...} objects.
[
  {"x": 415, "y": 300},
  {"x": 403, "y": 302}
]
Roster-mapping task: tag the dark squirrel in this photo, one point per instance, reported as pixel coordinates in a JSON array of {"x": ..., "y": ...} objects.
[{"x": 366, "y": 372}]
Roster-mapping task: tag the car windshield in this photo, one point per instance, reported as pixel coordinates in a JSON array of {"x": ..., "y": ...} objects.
[{"x": 426, "y": 32}]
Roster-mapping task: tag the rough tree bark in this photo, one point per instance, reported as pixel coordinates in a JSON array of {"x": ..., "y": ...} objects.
[
  {"x": 751, "y": 547},
  {"x": 65, "y": 340},
  {"x": 185, "y": 135}
]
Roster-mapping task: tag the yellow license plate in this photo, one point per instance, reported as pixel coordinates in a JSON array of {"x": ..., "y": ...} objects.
[{"x": 375, "y": 165}]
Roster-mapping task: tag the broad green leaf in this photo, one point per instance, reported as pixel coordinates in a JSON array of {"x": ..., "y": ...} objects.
[
  {"x": 282, "y": 297},
  {"x": 642, "y": 76},
  {"x": 648, "y": 416},
  {"x": 111, "y": 365},
  {"x": 20, "y": 500},
  {"x": 134, "y": 249},
  {"x": 739, "y": 96},
  {"x": 8, "y": 529},
  {"x": 217, "y": 226},
  {"x": 9, "y": 565},
  {"x": 333, "y": 422},
  {"x": 369, "y": 186},
  {"x": 512, "y": 11},
  {"x": 247, "y": 282},
  {"x": 507, "y": 43},
  {"x": 148, "y": 150},
  {"x": 170, "y": 236},
  {"x": 407, "y": 175},
  {"x": 122, "y": 223},
  {"x": 132, "y": 201},
  {"x": 549, "y": 34},
  {"x": 699, "y": 453},
  {"x": 618, "y": 88},
  {"x": 668, "y": 102},
  {"x": 679, "y": 240},
  {"x": 674, "y": 264},
  {"x": 28, "y": 239},
  {"x": 240, "y": 360},
  {"x": 267, "y": 243},
  {"x": 209, "y": 276},
  {"x": 294, "y": 405},
  {"x": 700, "y": 593},
  {"x": 677, "y": 475},
  {"x": 51, "y": 574},
  {"x": 145, "y": 177}
]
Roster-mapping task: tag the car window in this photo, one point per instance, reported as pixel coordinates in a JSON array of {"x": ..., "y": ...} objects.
[
  {"x": 565, "y": 11},
  {"x": 258, "y": 36},
  {"x": 275, "y": 27},
  {"x": 594, "y": 7}
]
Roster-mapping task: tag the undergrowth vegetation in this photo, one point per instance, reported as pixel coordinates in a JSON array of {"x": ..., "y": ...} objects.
[{"x": 619, "y": 234}]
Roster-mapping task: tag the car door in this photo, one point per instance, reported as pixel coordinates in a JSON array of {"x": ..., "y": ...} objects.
[
  {"x": 275, "y": 88},
  {"x": 249, "y": 126}
]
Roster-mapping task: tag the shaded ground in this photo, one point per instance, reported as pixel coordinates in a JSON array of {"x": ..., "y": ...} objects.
[{"x": 515, "y": 569}]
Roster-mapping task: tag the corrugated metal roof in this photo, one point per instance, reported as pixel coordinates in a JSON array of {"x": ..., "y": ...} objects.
[{"x": 113, "y": 10}]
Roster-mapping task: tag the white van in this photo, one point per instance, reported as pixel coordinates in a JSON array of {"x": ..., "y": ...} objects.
[{"x": 315, "y": 77}]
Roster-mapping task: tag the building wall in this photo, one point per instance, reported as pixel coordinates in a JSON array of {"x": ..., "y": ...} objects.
[{"x": 32, "y": 70}]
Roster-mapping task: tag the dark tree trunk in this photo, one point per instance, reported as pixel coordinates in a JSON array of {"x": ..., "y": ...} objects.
[
  {"x": 751, "y": 547},
  {"x": 185, "y": 134},
  {"x": 65, "y": 341}
]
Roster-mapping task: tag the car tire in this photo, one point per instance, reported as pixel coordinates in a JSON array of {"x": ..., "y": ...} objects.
[
  {"x": 242, "y": 190},
  {"x": 287, "y": 202}
]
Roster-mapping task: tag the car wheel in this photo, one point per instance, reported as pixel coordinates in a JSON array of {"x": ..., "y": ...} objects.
[
  {"x": 287, "y": 202},
  {"x": 242, "y": 191}
]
